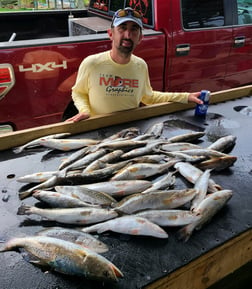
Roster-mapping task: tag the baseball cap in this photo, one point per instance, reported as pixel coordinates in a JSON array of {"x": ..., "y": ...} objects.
[{"x": 127, "y": 14}]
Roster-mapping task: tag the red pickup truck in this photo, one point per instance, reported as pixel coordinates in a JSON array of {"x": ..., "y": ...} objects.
[{"x": 189, "y": 45}]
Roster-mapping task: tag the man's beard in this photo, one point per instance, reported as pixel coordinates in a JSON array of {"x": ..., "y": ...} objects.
[{"x": 126, "y": 50}]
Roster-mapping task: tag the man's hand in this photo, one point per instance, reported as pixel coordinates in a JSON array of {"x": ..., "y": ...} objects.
[
  {"x": 194, "y": 97},
  {"x": 78, "y": 117}
]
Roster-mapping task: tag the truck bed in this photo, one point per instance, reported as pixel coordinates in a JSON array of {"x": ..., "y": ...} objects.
[
  {"x": 218, "y": 249},
  {"x": 42, "y": 24}
]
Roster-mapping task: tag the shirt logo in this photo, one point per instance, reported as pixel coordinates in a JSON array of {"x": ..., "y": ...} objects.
[{"x": 118, "y": 85}]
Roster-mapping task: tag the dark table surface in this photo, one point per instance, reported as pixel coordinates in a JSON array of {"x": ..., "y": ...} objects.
[{"x": 142, "y": 259}]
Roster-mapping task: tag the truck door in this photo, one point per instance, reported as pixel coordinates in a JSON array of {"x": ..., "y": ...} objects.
[
  {"x": 239, "y": 68},
  {"x": 200, "y": 46}
]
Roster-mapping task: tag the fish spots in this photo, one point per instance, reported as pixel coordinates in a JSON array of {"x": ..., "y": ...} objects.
[
  {"x": 134, "y": 169},
  {"x": 134, "y": 231},
  {"x": 173, "y": 217}
]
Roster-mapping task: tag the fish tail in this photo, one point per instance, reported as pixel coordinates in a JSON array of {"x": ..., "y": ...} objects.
[
  {"x": 17, "y": 150},
  {"x": 9, "y": 246},
  {"x": 24, "y": 210},
  {"x": 24, "y": 194},
  {"x": 184, "y": 234}
]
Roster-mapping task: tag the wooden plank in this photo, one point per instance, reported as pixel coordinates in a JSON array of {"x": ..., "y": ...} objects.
[
  {"x": 10, "y": 140},
  {"x": 211, "y": 267}
]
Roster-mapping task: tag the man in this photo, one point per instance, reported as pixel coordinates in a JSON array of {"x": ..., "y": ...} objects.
[{"x": 117, "y": 80}]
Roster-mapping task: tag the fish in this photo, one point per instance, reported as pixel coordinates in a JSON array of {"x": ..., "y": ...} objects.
[
  {"x": 76, "y": 236},
  {"x": 163, "y": 199},
  {"x": 142, "y": 170},
  {"x": 52, "y": 181},
  {"x": 179, "y": 146},
  {"x": 167, "y": 181},
  {"x": 144, "y": 136},
  {"x": 67, "y": 144},
  {"x": 206, "y": 210},
  {"x": 73, "y": 157},
  {"x": 84, "y": 161},
  {"x": 187, "y": 137},
  {"x": 73, "y": 177},
  {"x": 209, "y": 153},
  {"x": 75, "y": 216},
  {"x": 156, "y": 129},
  {"x": 102, "y": 161},
  {"x": 201, "y": 185},
  {"x": 147, "y": 149},
  {"x": 93, "y": 176},
  {"x": 127, "y": 133},
  {"x": 37, "y": 142},
  {"x": 218, "y": 164},
  {"x": 223, "y": 144},
  {"x": 38, "y": 177},
  {"x": 131, "y": 225},
  {"x": 87, "y": 195},
  {"x": 122, "y": 144},
  {"x": 120, "y": 188},
  {"x": 182, "y": 155},
  {"x": 192, "y": 173},
  {"x": 153, "y": 158},
  {"x": 66, "y": 257},
  {"x": 169, "y": 218},
  {"x": 59, "y": 200}
]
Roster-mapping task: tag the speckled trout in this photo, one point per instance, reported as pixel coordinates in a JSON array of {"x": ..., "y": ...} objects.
[
  {"x": 169, "y": 199},
  {"x": 169, "y": 218},
  {"x": 77, "y": 216},
  {"x": 76, "y": 236},
  {"x": 206, "y": 210},
  {"x": 191, "y": 173},
  {"x": 143, "y": 170},
  {"x": 66, "y": 257},
  {"x": 131, "y": 225}
]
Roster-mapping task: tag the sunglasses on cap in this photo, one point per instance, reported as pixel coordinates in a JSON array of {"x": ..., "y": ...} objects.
[{"x": 128, "y": 12}]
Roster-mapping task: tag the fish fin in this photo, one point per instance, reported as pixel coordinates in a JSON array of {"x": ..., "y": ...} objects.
[{"x": 118, "y": 273}]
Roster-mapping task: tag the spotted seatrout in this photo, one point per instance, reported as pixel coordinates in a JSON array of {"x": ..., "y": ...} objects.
[
  {"x": 67, "y": 144},
  {"x": 169, "y": 199},
  {"x": 201, "y": 185},
  {"x": 77, "y": 216},
  {"x": 169, "y": 218},
  {"x": 206, "y": 210},
  {"x": 76, "y": 236},
  {"x": 223, "y": 143},
  {"x": 191, "y": 173},
  {"x": 86, "y": 195},
  {"x": 131, "y": 225},
  {"x": 37, "y": 142},
  {"x": 66, "y": 257},
  {"x": 59, "y": 200},
  {"x": 142, "y": 170},
  {"x": 38, "y": 177},
  {"x": 120, "y": 188}
]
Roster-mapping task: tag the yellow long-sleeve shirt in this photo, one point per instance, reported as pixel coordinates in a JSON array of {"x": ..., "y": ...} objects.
[{"x": 103, "y": 86}]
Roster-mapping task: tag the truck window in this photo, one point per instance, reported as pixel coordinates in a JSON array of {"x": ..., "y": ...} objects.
[
  {"x": 244, "y": 9},
  {"x": 202, "y": 14},
  {"x": 108, "y": 7}
]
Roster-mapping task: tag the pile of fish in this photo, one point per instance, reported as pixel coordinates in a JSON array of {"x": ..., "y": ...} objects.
[{"x": 125, "y": 183}]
